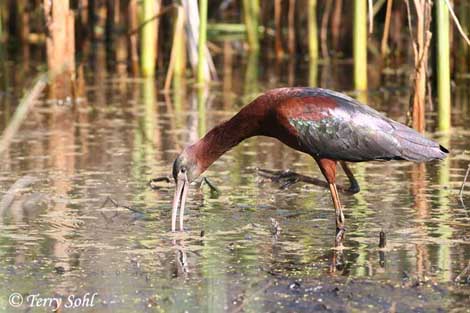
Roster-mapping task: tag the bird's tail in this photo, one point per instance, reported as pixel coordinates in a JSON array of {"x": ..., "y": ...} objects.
[{"x": 416, "y": 147}]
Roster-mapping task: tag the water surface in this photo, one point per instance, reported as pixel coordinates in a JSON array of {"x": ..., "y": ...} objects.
[{"x": 60, "y": 237}]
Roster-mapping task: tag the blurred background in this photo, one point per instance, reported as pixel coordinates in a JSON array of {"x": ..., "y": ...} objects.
[
  {"x": 201, "y": 42},
  {"x": 99, "y": 96}
]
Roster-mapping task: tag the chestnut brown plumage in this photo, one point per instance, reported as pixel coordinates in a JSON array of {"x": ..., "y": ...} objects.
[{"x": 327, "y": 125}]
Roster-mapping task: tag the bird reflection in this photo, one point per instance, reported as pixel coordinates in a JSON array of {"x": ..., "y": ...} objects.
[{"x": 181, "y": 265}]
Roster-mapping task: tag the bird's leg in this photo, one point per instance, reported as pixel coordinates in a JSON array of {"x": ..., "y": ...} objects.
[
  {"x": 328, "y": 168},
  {"x": 340, "y": 229},
  {"x": 353, "y": 184}
]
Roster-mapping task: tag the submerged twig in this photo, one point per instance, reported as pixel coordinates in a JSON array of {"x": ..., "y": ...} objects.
[
  {"x": 288, "y": 178},
  {"x": 153, "y": 181},
  {"x": 213, "y": 188},
  {"x": 9, "y": 196},
  {"x": 382, "y": 240},
  {"x": 21, "y": 112},
  {"x": 117, "y": 205},
  {"x": 465, "y": 272},
  {"x": 463, "y": 183}
]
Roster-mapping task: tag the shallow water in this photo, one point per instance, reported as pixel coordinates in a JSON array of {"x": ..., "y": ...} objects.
[{"x": 60, "y": 237}]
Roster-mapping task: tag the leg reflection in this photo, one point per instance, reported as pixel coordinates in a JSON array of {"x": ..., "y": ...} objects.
[{"x": 181, "y": 259}]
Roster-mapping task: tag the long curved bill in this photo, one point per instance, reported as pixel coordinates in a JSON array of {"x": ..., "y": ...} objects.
[{"x": 181, "y": 192}]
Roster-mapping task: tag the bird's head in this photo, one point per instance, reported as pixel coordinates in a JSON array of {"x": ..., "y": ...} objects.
[
  {"x": 185, "y": 167},
  {"x": 185, "y": 170}
]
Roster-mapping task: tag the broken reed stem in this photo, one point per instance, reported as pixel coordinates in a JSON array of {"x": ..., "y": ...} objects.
[
  {"x": 421, "y": 41},
  {"x": 464, "y": 182},
  {"x": 377, "y": 6},
  {"x": 136, "y": 29},
  {"x": 26, "y": 104},
  {"x": 457, "y": 23}
]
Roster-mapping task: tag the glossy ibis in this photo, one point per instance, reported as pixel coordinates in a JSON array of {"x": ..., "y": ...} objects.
[{"x": 329, "y": 126}]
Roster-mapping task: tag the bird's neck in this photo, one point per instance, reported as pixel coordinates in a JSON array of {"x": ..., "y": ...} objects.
[{"x": 225, "y": 136}]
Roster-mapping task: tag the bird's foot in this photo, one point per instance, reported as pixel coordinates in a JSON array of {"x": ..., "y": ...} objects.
[
  {"x": 337, "y": 261},
  {"x": 353, "y": 188},
  {"x": 340, "y": 231}
]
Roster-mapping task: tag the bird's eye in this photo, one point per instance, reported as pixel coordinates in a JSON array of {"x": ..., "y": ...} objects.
[{"x": 183, "y": 170}]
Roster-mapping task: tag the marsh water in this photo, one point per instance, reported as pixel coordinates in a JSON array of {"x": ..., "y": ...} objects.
[{"x": 62, "y": 236}]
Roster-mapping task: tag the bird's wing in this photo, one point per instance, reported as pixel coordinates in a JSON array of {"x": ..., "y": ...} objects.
[
  {"x": 354, "y": 132},
  {"x": 348, "y": 138}
]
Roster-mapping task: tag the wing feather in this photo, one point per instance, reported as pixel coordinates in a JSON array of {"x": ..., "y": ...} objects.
[{"x": 355, "y": 132}]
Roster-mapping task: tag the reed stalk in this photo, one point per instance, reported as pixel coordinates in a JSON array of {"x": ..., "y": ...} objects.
[
  {"x": 149, "y": 33},
  {"x": 324, "y": 29},
  {"x": 463, "y": 53},
  {"x": 201, "y": 66},
  {"x": 291, "y": 27},
  {"x": 178, "y": 56},
  {"x": 421, "y": 42},
  {"x": 1, "y": 25},
  {"x": 251, "y": 16},
  {"x": 250, "y": 87},
  {"x": 133, "y": 42},
  {"x": 384, "y": 43},
  {"x": 201, "y": 111},
  {"x": 179, "y": 46},
  {"x": 60, "y": 47},
  {"x": 443, "y": 65},
  {"x": 278, "y": 29},
  {"x": 360, "y": 44},
  {"x": 312, "y": 30},
  {"x": 336, "y": 23}
]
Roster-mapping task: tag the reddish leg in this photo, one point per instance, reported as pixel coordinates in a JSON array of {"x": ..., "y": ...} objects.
[{"x": 328, "y": 168}]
